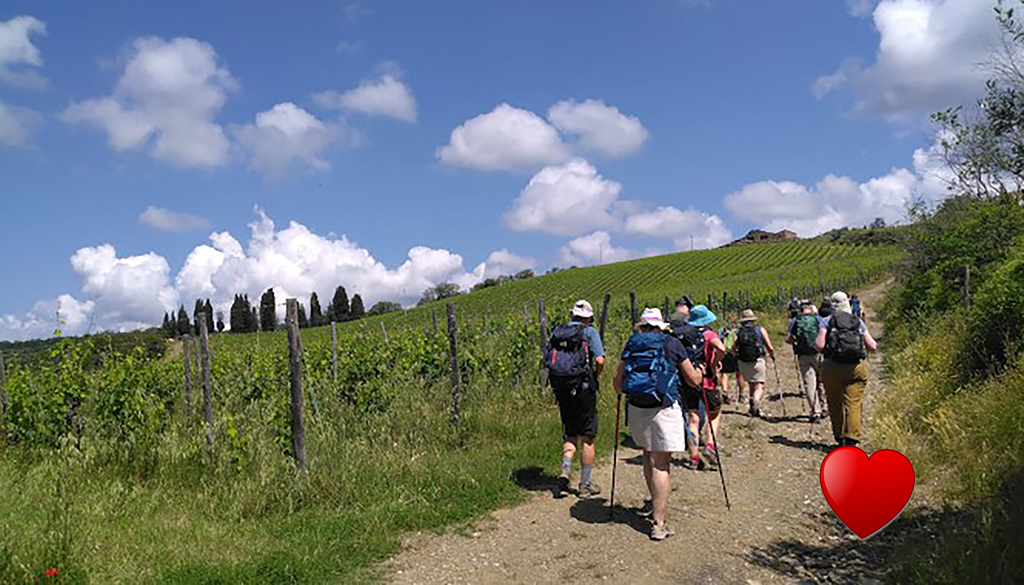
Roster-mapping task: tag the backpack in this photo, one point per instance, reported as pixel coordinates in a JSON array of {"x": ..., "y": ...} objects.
[
  {"x": 567, "y": 356},
  {"x": 805, "y": 331},
  {"x": 794, "y": 308},
  {"x": 826, "y": 309},
  {"x": 692, "y": 339},
  {"x": 844, "y": 342},
  {"x": 649, "y": 380},
  {"x": 749, "y": 342},
  {"x": 855, "y": 307}
]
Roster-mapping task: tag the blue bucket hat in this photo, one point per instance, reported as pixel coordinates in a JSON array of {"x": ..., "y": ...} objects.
[{"x": 701, "y": 316}]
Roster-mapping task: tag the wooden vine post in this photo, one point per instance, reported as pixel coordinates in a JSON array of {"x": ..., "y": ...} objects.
[
  {"x": 204, "y": 354},
  {"x": 604, "y": 315},
  {"x": 453, "y": 361},
  {"x": 632, "y": 309},
  {"x": 334, "y": 353},
  {"x": 185, "y": 345},
  {"x": 542, "y": 317},
  {"x": 295, "y": 367}
]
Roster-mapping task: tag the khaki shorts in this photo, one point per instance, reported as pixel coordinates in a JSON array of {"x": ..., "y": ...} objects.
[{"x": 754, "y": 372}]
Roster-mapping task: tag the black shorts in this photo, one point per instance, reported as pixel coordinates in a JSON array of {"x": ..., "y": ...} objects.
[
  {"x": 578, "y": 407},
  {"x": 730, "y": 365},
  {"x": 692, "y": 397}
]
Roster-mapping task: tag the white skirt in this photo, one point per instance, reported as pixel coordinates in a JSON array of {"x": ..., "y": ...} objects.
[{"x": 658, "y": 429}]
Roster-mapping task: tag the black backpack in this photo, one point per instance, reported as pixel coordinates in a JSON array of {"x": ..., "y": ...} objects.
[
  {"x": 844, "y": 342},
  {"x": 749, "y": 345},
  {"x": 567, "y": 356},
  {"x": 692, "y": 339},
  {"x": 826, "y": 309}
]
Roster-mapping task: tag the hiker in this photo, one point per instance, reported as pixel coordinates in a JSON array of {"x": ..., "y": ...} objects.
[
  {"x": 752, "y": 342},
  {"x": 653, "y": 366},
  {"x": 793, "y": 307},
  {"x": 803, "y": 331},
  {"x": 707, "y": 354},
  {"x": 729, "y": 364},
  {"x": 855, "y": 306},
  {"x": 575, "y": 358},
  {"x": 688, "y": 335},
  {"x": 826, "y": 309},
  {"x": 845, "y": 341}
]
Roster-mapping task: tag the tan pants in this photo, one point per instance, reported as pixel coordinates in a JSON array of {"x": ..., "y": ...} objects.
[
  {"x": 813, "y": 385},
  {"x": 844, "y": 385}
]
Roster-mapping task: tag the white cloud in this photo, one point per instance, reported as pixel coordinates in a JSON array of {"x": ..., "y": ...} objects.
[
  {"x": 506, "y": 139},
  {"x": 498, "y": 263},
  {"x": 166, "y": 100},
  {"x": 569, "y": 199},
  {"x": 41, "y": 321},
  {"x": 125, "y": 290},
  {"x": 286, "y": 134},
  {"x": 838, "y": 201},
  {"x": 595, "y": 248},
  {"x": 18, "y": 56},
  {"x": 17, "y": 124},
  {"x": 706, "y": 231},
  {"x": 600, "y": 128},
  {"x": 930, "y": 56},
  {"x": 170, "y": 221},
  {"x": 385, "y": 96}
]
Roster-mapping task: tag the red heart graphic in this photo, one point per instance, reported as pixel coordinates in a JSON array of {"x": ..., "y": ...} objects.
[{"x": 867, "y": 494}]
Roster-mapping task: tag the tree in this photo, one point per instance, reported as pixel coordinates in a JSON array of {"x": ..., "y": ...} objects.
[
  {"x": 522, "y": 274},
  {"x": 357, "y": 311},
  {"x": 445, "y": 290},
  {"x": 382, "y": 307},
  {"x": 303, "y": 322},
  {"x": 208, "y": 311},
  {"x": 339, "y": 306},
  {"x": 316, "y": 317},
  {"x": 268, "y": 311},
  {"x": 220, "y": 321},
  {"x": 254, "y": 319},
  {"x": 878, "y": 223},
  {"x": 195, "y": 315},
  {"x": 184, "y": 326}
]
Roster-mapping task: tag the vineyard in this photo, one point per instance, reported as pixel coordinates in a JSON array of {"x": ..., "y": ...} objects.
[{"x": 94, "y": 449}]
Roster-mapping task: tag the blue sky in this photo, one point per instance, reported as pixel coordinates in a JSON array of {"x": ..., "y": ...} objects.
[{"x": 379, "y": 129}]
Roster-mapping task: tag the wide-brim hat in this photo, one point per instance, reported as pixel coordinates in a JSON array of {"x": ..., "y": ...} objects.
[
  {"x": 582, "y": 309},
  {"x": 747, "y": 315},
  {"x": 841, "y": 302},
  {"x": 701, "y": 316},
  {"x": 653, "y": 317},
  {"x": 684, "y": 300}
]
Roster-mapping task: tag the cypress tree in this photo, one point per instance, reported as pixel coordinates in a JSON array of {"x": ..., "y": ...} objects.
[
  {"x": 357, "y": 310},
  {"x": 195, "y": 315},
  {"x": 254, "y": 319},
  {"x": 184, "y": 326},
  {"x": 220, "y": 321},
  {"x": 268, "y": 311},
  {"x": 208, "y": 308},
  {"x": 316, "y": 317},
  {"x": 235, "y": 316},
  {"x": 303, "y": 322},
  {"x": 339, "y": 306}
]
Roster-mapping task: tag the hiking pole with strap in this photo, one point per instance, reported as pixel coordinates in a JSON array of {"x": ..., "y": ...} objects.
[
  {"x": 718, "y": 455},
  {"x": 615, "y": 455},
  {"x": 778, "y": 384}
]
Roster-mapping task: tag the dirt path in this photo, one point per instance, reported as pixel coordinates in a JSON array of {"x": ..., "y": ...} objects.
[{"x": 780, "y": 528}]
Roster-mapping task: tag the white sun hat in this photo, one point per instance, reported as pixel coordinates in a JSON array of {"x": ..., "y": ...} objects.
[
  {"x": 582, "y": 309},
  {"x": 653, "y": 317}
]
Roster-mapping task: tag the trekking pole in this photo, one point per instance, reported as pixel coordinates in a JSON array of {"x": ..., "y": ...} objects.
[
  {"x": 615, "y": 455},
  {"x": 718, "y": 455},
  {"x": 778, "y": 384}
]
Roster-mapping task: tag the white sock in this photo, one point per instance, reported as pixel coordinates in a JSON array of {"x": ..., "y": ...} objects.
[
  {"x": 585, "y": 473},
  {"x": 566, "y": 463}
]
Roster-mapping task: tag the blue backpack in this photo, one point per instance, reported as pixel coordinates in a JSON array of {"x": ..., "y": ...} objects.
[{"x": 649, "y": 380}]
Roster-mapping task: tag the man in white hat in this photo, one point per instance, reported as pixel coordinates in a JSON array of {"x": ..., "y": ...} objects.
[
  {"x": 577, "y": 397},
  {"x": 752, "y": 344}
]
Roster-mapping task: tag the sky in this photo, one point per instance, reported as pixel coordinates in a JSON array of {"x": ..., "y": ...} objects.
[{"x": 153, "y": 153}]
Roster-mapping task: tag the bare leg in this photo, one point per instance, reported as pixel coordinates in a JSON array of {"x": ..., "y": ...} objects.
[
  {"x": 693, "y": 421},
  {"x": 660, "y": 485},
  {"x": 587, "y": 457}
]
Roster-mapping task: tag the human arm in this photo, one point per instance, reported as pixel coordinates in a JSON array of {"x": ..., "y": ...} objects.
[
  {"x": 789, "y": 336},
  {"x": 819, "y": 341},
  {"x": 869, "y": 341},
  {"x": 692, "y": 375},
  {"x": 768, "y": 343},
  {"x": 598, "y": 365}
]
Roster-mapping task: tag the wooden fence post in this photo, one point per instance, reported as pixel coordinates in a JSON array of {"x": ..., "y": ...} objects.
[
  {"x": 542, "y": 317},
  {"x": 632, "y": 310},
  {"x": 433, "y": 318},
  {"x": 185, "y": 344},
  {"x": 725, "y": 305},
  {"x": 967, "y": 285},
  {"x": 526, "y": 313},
  {"x": 604, "y": 314},
  {"x": 711, "y": 301},
  {"x": 453, "y": 360},
  {"x": 666, "y": 307},
  {"x": 295, "y": 366},
  {"x": 334, "y": 353},
  {"x": 4, "y": 401},
  {"x": 204, "y": 353}
]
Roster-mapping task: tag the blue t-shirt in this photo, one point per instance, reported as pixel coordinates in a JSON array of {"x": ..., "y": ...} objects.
[
  {"x": 675, "y": 351},
  {"x": 593, "y": 339}
]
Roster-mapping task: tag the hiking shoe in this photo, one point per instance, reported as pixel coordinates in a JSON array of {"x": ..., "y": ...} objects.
[
  {"x": 755, "y": 410},
  {"x": 588, "y": 489},
  {"x": 647, "y": 510},
  {"x": 725, "y": 398},
  {"x": 563, "y": 483},
  {"x": 710, "y": 456},
  {"x": 661, "y": 532}
]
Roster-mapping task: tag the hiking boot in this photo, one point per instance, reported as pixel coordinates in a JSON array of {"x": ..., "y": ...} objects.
[
  {"x": 588, "y": 489},
  {"x": 661, "y": 532},
  {"x": 725, "y": 398},
  {"x": 755, "y": 410},
  {"x": 563, "y": 483},
  {"x": 709, "y": 455},
  {"x": 695, "y": 463},
  {"x": 647, "y": 510}
]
